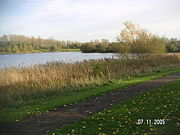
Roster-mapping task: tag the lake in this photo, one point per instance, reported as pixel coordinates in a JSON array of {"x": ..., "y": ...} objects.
[{"x": 30, "y": 59}]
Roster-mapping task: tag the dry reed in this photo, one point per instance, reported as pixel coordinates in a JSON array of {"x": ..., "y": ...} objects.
[{"x": 17, "y": 83}]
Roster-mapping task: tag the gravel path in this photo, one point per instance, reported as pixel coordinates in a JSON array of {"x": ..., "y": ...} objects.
[{"x": 37, "y": 125}]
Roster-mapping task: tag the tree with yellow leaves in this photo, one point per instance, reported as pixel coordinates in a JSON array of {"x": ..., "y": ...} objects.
[{"x": 138, "y": 41}]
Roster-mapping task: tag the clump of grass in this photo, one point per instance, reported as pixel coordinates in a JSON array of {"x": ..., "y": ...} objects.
[{"x": 21, "y": 84}]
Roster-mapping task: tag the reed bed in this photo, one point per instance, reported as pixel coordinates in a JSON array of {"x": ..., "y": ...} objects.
[{"x": 17, "y": 84}]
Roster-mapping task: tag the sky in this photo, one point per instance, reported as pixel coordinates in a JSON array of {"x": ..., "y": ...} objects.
[{"x": 85, "y": 20}]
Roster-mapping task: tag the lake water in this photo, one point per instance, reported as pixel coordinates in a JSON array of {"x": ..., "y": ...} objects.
[{"x": 30, "y": 59}]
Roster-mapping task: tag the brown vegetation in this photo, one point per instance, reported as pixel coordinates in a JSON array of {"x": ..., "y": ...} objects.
[{"x": 17, "y": 84}]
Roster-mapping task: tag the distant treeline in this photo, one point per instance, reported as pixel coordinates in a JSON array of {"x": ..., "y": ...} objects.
[
  {"x": 20, "y": 43},
  {"x": 173, "y": 45},
  {"x": 102, "y": 46}
]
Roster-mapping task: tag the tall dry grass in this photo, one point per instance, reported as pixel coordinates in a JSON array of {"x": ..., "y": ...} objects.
[{"x": 16, "y": 84}]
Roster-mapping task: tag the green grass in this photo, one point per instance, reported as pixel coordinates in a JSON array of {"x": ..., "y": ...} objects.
[
  {"x": 43, "y": 50},
  {"x": 61, "y": 50},
  {"x": 161, "y": 103},
  {"x": 20, "y": 110},
  {"x": 70, "y": 50}
]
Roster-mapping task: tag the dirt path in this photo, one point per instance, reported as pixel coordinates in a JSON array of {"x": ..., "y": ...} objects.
[{"x": 38, "y": 125}]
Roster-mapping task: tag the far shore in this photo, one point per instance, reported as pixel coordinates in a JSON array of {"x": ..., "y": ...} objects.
[{"x": 42, "y": 51}]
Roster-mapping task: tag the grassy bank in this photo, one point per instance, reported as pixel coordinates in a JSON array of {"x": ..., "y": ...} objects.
[
  {"x": 43, "y": 50},
  {"x": 60, "y": 50},
  {"x": 159, "y": 109},
  {"x": 25, "y": 108}
]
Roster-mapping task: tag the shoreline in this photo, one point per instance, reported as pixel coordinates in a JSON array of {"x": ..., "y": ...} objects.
[
  {"x": 67, "y": 50},
  {"x": 27, "y": 52}
]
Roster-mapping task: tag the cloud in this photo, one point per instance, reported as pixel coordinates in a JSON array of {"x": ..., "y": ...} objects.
[{"x": 85, "y": 20}]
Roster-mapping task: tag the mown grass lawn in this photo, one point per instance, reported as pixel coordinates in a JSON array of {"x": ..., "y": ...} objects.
[
  {"x": 20, "y": 110},
  {"x": 159, "y": 109}
]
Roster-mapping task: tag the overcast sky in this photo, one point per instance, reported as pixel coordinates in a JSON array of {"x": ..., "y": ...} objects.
[{"x": 83, "y": 20}]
